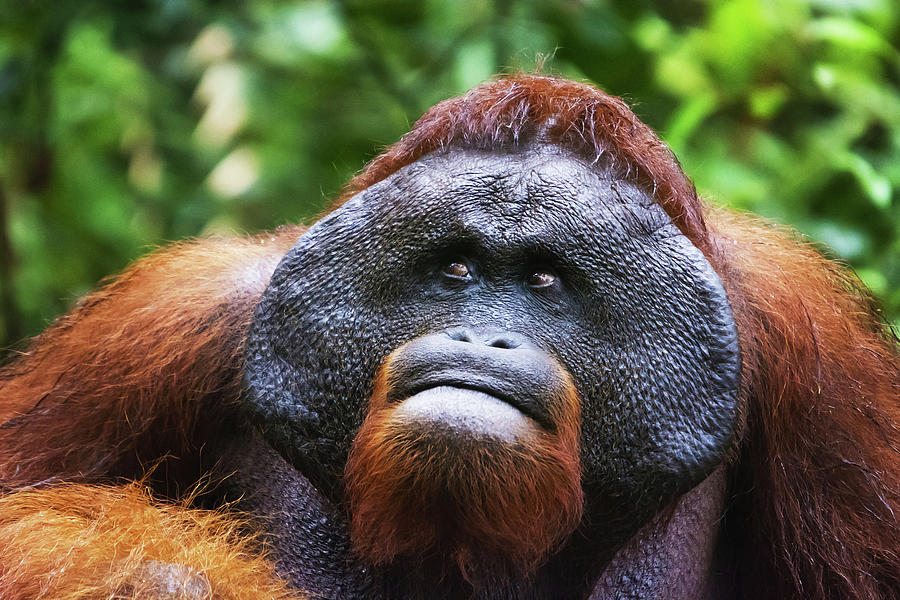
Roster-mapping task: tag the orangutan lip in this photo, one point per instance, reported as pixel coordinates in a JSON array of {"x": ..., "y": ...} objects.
[{"x": 525, "y": 407}]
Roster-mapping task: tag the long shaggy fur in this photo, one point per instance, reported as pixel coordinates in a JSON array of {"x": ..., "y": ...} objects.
[
  {"x": 817, "y": 481},
  {"x": 84, "y": 542},
  {"x": 491, "y": 509},
  {"x": 815, "y": 485},
  {"x": 122, "y": 379},
  {"x": 119, "y": 383}
]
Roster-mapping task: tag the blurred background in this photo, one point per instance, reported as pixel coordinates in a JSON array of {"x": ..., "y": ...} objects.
[{"x": 125, "y": 124}]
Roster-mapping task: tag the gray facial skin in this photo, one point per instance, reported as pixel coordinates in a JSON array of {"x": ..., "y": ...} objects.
[{"x": 635, "y": 313}]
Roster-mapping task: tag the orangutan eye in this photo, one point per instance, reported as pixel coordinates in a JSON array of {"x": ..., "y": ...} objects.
[
  {"x": 540, "y": 279},
  {"x": 456, "y": 270}
]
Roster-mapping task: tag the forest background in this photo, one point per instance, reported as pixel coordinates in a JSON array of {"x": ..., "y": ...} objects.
[{"x": 126, "y": 124}]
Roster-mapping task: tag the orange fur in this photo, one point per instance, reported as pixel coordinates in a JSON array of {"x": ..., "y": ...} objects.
[
  {"x": 84, "y": 542},
  {"x": 116, "y": 384},
  {"x": 517, "y": 108},
  {"x": 142, "y": 354},
  {"x": 490, "y": 507},
  {"x": 816, "y": 481},
  {"x": 821, "y": 370}
]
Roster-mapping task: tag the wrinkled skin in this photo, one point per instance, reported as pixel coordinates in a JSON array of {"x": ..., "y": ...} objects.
[{"x": 633, "y": 312}]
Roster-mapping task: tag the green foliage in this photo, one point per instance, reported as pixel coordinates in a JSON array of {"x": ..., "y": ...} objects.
[{"x": 123, "y": 125}]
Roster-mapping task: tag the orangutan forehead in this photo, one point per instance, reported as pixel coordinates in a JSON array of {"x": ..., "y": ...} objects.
[{"x": 542, "y": 178}]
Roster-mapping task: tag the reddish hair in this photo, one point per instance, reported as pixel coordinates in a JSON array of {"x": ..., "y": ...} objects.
[
  {"x": 73, "y": 542},
  {"x": 511, "y": 110},
  {"x": 816, "y": 484},
  {"x": 493, "y": 510},
  {"x": 140, "y": 356},
  {"x": 123, "y": 378},
  {"x": 818, "y": 475}
]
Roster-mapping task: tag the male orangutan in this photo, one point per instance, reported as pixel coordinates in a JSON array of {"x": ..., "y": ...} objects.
[{"x": 519, "y": 359}]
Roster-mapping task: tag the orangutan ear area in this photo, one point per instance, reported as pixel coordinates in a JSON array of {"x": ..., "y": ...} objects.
[{"x": 748, "y": 442}]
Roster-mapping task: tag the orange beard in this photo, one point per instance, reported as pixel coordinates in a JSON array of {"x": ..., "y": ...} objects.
[{"x": 486, "y": 506}]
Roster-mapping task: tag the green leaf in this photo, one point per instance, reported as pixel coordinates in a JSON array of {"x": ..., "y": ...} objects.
[
  {"x": 689, "y": 115},
  {"x": 849, "y": 34},
  {"x": 876, "y": 186}
]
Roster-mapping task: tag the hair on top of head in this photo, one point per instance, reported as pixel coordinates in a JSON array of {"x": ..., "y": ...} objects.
[{"x": 513, "y": 109}]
